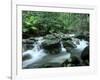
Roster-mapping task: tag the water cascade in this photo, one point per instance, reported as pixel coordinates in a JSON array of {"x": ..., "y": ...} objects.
[
  {"x": 40, "y": 57},
  {"x": 80, "y": 46},
  {"x": 62, "y": 48},
  {"x": 36, "y": 53}
]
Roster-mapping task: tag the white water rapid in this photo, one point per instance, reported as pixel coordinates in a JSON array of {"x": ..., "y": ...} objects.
[
  {"x": 80, "y": 46},
  {"x": 36, "y": 53},
  {"x": 40, "y": 57}
]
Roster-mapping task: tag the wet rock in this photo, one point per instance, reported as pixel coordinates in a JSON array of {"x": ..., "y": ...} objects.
[
  {"x": 26, "y": 57},
  {"x": 49, "y": 65},
  {"x": 73, "y": 61},
  {"x": 27, "y": 41},
  {"x": 85, "y": 55},
  {"x": 69, "y": 44},
  {"x": 27, "y": 44},
  {"x": 66, "y": 38},
  {"x": 32, "y": 39},
  {"x": 52, "y": 46},
  {"x": 50, "y": 36},
  {"x": 81, "y": 36}
]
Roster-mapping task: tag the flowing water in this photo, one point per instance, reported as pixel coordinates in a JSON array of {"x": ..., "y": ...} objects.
[
  {"x": 80, "y": 45},
  {"x": 36, "y": 53},
  {"x": 39, "y": 57},
  {"x": 62, "y": 48}
]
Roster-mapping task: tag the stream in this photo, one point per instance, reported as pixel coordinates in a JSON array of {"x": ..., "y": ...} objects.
[{"x": 39, "y": 58}]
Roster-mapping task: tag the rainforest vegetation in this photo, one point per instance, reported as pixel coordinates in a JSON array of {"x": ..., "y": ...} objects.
[{"x": 36, "y": 23}]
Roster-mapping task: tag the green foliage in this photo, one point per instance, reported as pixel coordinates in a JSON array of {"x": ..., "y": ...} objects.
[{"x": 39, "y": 23}]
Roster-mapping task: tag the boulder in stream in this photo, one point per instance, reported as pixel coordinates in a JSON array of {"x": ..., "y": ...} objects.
[
  {"x": 81, "y": 36},
  {"x": 52, "y": 46},
  {"x": 27, "y": 44},
  {"x": 69, "y": 44},
  {"x": 50, "y": 36},
  {"x": 73, "y": 61},
  {"x": 85, "y": 55},
  {"x": 26, "y": 57}
]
